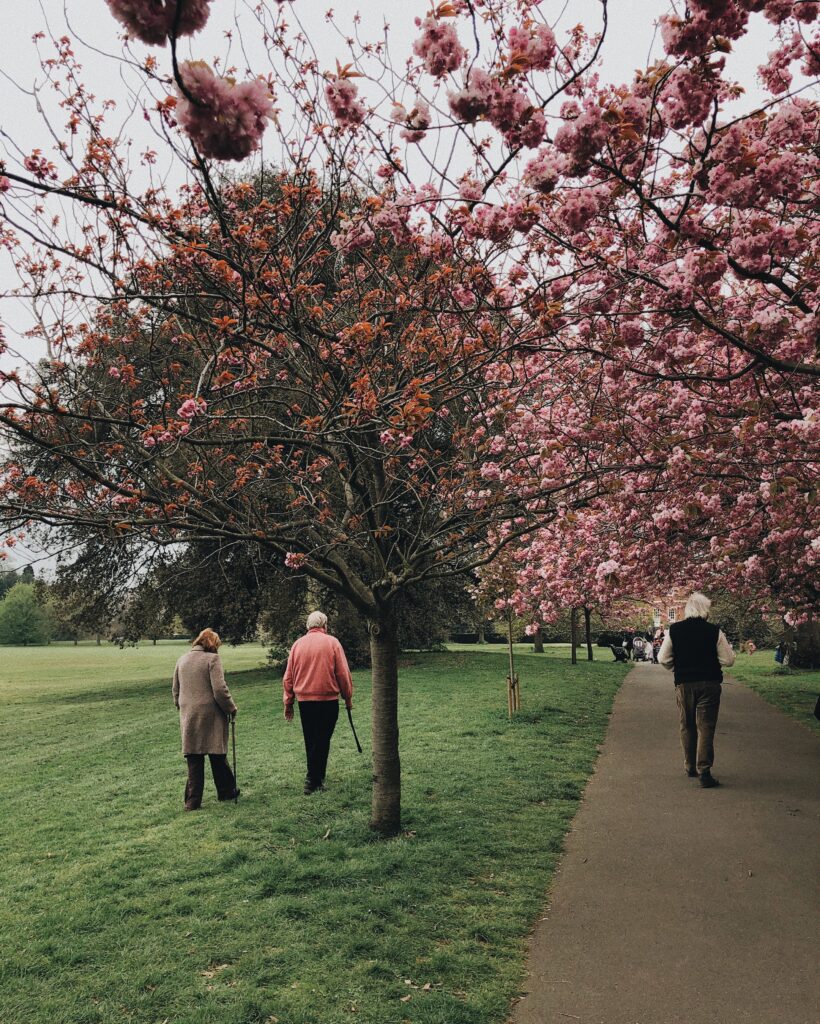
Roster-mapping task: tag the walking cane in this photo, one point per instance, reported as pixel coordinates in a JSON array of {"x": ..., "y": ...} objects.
[
  {"x": 353, "y": 727},
  {"x": 233, "y": 745}
]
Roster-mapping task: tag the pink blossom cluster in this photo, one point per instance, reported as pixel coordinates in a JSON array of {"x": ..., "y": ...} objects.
[
  {"x": 691, "y": 35},
  {"x": 225, "y": 120},
  {"x": 532, "y": 47},
  {"x": 393, "y": 218},
  {"x": 492, "y": 223},
  {"x": 473, "y": 101},
  {"x": 509, "y": 110},
  {"x": 438, "y": 46},
  {"x": 192, "y": 407},
  {"x": 152, "y": 21},
  {"x": 342, "y": 97},
  {"x": 40, "y": 166},
  {"x": 707, "y": 21},
  {"x": 689, "y": 94},
  {"x": 5, "y": 184},
  {"x": 295, "y": 559},
  {"x": 155, "y": 437},
  {"x": 519, "y": 122},
  {"x": 417, "y": 121},
  {"x": 469, "y": 189},
  {"x": 582, "y": 136},
  {"x": 580, "y": 207},
  {"x": 353, "y": 235},
  {"x": 544, "y": 171},
  {"x": 775, "y": 73}
]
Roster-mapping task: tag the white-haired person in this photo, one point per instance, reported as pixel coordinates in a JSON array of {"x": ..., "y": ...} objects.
[
  {"x": 697, "y": 651},
  {"x": 316, "y": 677}
]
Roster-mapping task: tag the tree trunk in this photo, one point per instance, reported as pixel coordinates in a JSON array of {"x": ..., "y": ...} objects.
[
  {"x": 573, "y": 626},
  {"x": 538, "y": 641},
  {"x": 154, "y": 641},
  {"x": 99, "y": 640},
  {"x": 75, "y": 641},
  {"x": 588, "y": 630},
  {"x": 385, "y": 816},
  {"x": 482, "y": 632}
]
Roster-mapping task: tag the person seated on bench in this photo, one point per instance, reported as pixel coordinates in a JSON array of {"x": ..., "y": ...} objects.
[{"x": 619, "y": 652}]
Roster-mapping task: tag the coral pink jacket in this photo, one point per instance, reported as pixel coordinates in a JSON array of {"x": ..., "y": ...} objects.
[{"x": 317, "y": 670}]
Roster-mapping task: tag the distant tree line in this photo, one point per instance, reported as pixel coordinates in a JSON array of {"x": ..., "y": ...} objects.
[{"x": 112, "y": 589}]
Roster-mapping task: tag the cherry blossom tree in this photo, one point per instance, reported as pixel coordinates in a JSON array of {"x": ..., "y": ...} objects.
[{"x": 482, "y": 291}]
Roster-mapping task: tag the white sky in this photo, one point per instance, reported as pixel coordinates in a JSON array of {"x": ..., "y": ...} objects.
[{"x": 632, "y": 42}]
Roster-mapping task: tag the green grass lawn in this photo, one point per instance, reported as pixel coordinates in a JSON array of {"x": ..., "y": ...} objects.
[
  {"x": 792, "y": 690},
  {"x": 120, "y": 907}
]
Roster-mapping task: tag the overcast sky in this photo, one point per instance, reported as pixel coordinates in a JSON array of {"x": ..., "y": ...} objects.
[{"x": 632, "y": 41}]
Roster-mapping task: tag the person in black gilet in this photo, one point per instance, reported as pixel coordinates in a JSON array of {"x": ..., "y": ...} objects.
[{"x": 697, "y": 651}]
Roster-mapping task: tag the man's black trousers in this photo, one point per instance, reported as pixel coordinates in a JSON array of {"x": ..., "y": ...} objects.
[{"x": 318, "y": 719}]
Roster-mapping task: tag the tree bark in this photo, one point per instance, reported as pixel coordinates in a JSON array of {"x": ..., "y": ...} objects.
[
  {"x": 538, "y": 641},
  {"x": 588, "y": 629},
  {"x": 385, "y": 816},
  {"x": 573, "y": 626}
]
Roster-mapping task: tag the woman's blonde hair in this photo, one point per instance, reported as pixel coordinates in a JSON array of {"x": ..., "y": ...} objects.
[{"x": 208, "y": 639}]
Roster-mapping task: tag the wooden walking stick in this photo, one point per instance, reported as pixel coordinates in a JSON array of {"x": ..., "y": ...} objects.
[{"x": 233, "y": 745}]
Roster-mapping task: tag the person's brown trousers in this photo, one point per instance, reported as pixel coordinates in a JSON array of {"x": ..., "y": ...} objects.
[
  {"x": 223, "y": 779},
  {"x": 698, "y": 706}
]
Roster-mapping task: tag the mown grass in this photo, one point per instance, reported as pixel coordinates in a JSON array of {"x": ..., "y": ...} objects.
[
  {"x": 120, "y": 907},
  {"x": 793, "y": 690}
]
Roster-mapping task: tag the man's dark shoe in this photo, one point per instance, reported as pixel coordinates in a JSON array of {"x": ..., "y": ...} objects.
[
  {"x": 692, "y": 773},
  {"x": 708, "y": 781},
  {"x": 231, "y": 796}
]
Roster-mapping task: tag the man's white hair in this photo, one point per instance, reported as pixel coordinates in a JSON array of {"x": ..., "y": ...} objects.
[
  {"x": 697, "y": 607},
  {"x": 317, "y": 620}
]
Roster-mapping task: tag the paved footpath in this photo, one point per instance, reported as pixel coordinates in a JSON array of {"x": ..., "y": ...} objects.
[{"x": 677, "y": 905}]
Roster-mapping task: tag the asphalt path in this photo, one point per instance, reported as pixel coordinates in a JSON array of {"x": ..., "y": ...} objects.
[{"x": 678, "y": 905}]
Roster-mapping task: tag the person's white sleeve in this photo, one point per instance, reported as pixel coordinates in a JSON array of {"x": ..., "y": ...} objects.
[
  {"x": 726, "y": 656},
  {"x": 665, "y": 655}
]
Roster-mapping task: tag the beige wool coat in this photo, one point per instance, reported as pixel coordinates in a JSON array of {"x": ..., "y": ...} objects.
[{"x": 204, "y": 702}]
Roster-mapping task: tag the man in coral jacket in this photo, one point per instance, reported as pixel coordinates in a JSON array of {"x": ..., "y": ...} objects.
[{"x": 316, "y": 676}]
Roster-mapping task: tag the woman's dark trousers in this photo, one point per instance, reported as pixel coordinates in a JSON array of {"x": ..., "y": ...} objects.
[
  {"x": 223, "y": 779},
  {"x": 318, "y": 719}
]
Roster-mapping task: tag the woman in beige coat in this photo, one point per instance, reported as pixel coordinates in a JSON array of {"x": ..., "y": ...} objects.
[{"x": 205, "y": 707}]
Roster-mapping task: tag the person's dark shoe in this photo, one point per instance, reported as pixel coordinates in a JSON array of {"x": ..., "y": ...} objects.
[
  {"x": 691, "y": 773},
  {"x": 708, "y": 781},
  {"x": 231, "y": 796},
  {"x": 193, "y": 807}
]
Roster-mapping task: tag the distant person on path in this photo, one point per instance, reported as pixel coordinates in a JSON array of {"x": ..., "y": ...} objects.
[
  {"x": 316, "y": 676},
  {"x": 657, "y": 643},
  {"x": 205, "y": 707},
  {"x": 696, "y": 651}
]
